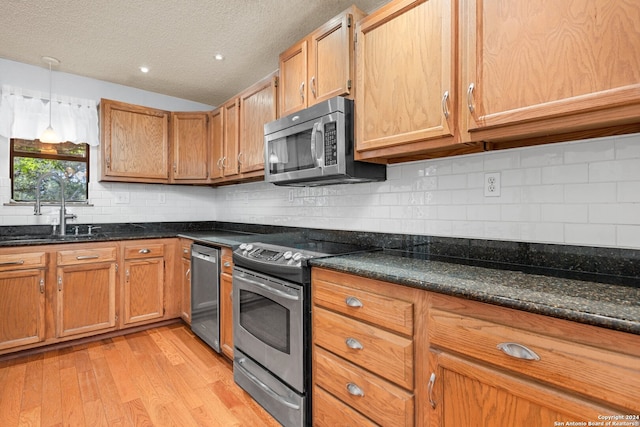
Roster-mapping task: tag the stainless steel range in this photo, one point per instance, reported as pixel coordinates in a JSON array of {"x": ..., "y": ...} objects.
[{"x": 272, "y": 325}]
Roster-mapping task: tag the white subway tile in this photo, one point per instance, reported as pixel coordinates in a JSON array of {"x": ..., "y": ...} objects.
[
  {"x": 564, "y": 213},
  {"x": 627, "y": 146},
  {"x": 521, "y": 213},
  {"x": 615, "y": 171},
  {"x": 628, "y": 236},
  {"x": 590, "y": 234},
  {"x": 589, "y": 151},
  {"x": 543, "y": 194},
  {"x": 590, "y": 193},
  {"x": 628, "y": 191},
  {"x": 562, "y": 174}
]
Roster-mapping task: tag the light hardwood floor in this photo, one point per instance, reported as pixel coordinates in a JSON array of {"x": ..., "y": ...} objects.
[{"x": 159, "y": 377}]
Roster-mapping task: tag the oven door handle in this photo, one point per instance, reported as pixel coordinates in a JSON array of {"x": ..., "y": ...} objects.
[
  {"x": 265, "y": 387},
  {"x": 270, "y": 289}
]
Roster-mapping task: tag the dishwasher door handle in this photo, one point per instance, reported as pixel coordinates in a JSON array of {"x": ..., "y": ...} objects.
[{"x": 204, "y": 257}]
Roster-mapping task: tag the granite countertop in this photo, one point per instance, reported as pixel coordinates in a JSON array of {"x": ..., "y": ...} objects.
[{"x": 599, "y": 304}]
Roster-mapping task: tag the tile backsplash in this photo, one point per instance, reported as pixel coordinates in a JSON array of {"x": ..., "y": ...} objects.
[{"x": 577, "y": 193}]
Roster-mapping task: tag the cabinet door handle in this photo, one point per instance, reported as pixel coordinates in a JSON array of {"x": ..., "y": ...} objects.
[
  {"x": 354, "y": 390},
  {"x": 302, "y": 91},
  {"x": 83, "y": 257},
  {"x": 353, "y": 344},
  {"x": 59, "y": 283},
  {"x": 227, "y": 264},
  {"x": 432, "y": 381},
  {"x": 445, "y": 106},
  {"x": 312, "y": 85},
  {"x": 144, "y": 251},
  {"x": 42, "y": 286},
  {"x": 353, "y": 302},
  {"x": 188, "y": 272},
  {"x": 518, "y": 351},
  {"x": 240, "y": 154},
  {"x": 19, "y": 262},
  {"x": 470, "y": 97}
]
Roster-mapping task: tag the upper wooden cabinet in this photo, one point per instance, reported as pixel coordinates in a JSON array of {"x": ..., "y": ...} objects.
[
  {"x": 216, "y": 144},
  {"x": 226, "y": 141},
  {"x": 406, "y": 89},
  {"x": 532, "y": 69},
  {"x": 135, "y": 143},
  {"x": 190, "y": 147},
  {"x": 258, "y": 105},
  {"x": 320, "y": 66}
]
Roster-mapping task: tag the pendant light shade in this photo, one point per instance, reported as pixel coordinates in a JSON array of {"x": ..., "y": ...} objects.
[{"x": 49, "y": 135}]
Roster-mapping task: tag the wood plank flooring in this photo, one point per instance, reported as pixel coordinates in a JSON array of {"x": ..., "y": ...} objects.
[{"x": 159, "y": 377}]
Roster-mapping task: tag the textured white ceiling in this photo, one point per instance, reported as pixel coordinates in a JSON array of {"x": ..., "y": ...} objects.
[{"x": 110, "y": 39}]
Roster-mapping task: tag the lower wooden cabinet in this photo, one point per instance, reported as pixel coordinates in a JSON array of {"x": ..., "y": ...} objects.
[
  {"x": 22, "y": 298},
  {"x": 226, "y": 303},
  {"x": 86, "y": 290},
  {"x": 144, "y": 282},
  {"x": 185, "y": 279}
]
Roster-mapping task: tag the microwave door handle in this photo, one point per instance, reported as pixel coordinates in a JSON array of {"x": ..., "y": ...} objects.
[
  {"x": 313, "y": 144},
  {"x": 319, "y": 151}
]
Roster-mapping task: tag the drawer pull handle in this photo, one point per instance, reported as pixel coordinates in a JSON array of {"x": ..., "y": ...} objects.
[
  {"x": 518, "y": 351},
  {"x": 83, "y": 257},
  {"x": 19, "y": 262},
  {"x": 432, "y": 381},
  {"x": 144, "y": 251},
  {"x": 354, "y": 390},
  {"x": 353, "y": 344},
  {"x": 353, "y": 302}
]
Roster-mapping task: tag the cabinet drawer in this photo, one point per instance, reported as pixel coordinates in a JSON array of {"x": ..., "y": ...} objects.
[
  {"x": 387, "y": 312},
  {"x": 226, "y": 265},
  {"x": 380, "y": 400},
  {"x": 330, "y": 412},
  {"x": 22, "y": 261},
  {"x": 185, "y": 248},
  {"x": 595, "y": 372},
  {"x": 85, "y": 256},
  {"x": 144, "y": 251},
  {"x": 382, "y": 352}
]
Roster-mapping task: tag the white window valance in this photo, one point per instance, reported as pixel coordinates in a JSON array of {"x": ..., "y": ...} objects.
[{"x": 24, "y": 114}]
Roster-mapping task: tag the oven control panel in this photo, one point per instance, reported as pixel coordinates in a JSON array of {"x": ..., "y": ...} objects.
[{"x": 271, "y": 254}]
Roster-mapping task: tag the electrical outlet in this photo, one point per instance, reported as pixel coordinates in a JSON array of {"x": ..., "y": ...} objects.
[
  {"x": 162, "y": 199},
  {"x": 122, "y": 197},
  {"x": 492, "y": 184}
]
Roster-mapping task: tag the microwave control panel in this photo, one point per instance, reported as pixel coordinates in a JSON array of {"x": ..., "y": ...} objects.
[{"x": 330, "y": 144}]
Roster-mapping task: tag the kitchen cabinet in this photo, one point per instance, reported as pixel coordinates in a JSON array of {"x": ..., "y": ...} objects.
[
  {"x": 143, "y": 282},
  {"x": 320, "y": 66},
  {"x": 226, "y": 302},
  {"x": 258, "y": 105},
  {"x": 22, "y": 297},
  {"x": 86, "y": 289},
  {"x": 190, "y": 147},
  {"x": 226, "y": 141},
  {"x": 216, "y": 153},
  {"x": 185, "y": 262},
  {"x": 406, "y": 87},
  {"x": 365, "y": 335},
  {"x": 548, "y": 69},
  {"x": 501, "y": 367},
  {"x": 134, "y": 143}
]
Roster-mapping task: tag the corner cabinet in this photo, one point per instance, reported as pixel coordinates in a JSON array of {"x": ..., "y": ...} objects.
[
  {"x": 406, "y": 87},
  {"x": 225, "y": 134},
  {"x": 134, "y": 143},
  {"x": 190, "y": 148},
  {"x": 320, "y": 66},
  {"x": 258, "y": 106},
  {"x": 494, "y": 366},
  {"x": 22, "y": 297},
  {"x": 550, "y": 68},
  {"x": 86, "y": 289},
  {"x": 365, "y": 336}
]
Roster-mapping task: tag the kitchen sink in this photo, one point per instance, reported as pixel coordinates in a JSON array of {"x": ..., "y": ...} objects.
[{"x": 49, "y": 238}]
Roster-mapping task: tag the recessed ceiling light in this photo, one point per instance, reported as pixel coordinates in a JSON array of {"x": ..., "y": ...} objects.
[
  {"x": 219, "y": 57},
  {"x": 144, "y": 69}
]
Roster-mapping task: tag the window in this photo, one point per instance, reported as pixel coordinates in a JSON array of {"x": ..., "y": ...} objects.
[{"x": 30, "y": 159}]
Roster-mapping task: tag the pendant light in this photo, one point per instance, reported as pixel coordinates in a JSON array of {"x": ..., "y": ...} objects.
[{"x": 49, "y": 135}]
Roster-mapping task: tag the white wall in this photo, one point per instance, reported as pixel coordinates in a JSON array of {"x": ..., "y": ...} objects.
[
  {"x": 578, "y": 193},
  {"x": 146, "y": 202}
]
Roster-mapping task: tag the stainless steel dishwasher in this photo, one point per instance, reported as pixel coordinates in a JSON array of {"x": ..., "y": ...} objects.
[{"x": 205, "y": 292}]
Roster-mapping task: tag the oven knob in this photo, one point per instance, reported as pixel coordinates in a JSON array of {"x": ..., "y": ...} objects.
[
  {"x": 243, "y": 246},
  {"x": 297, "y": 256},
  {"x": 248, "y": 247},
  {"x": 287, "y": 254}
]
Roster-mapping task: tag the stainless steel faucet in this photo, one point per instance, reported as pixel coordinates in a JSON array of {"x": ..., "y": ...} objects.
[{"x": 63, "y": 207}]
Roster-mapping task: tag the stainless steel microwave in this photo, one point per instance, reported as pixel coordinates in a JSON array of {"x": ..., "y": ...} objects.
[{"x": 315, "y": 147}]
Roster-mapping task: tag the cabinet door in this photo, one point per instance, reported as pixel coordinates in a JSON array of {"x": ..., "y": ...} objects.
[
  {"x": 231, "y": 126},
  {"x": 405, "y": 78},
  {"x": 190, "y": 147},
  {"x": 331, "y": 59},
  {"x": 186, "y": 290},
  {"x": 143, "y": 290},
  {"x": 226, "y": 315},
  {"x": 257, "y": 107},
  {"x": 135, "y": 143},
  {"x": 86, "y": 300},
  {"x": 468, "y": 394},
  {"x": 216, "y": 132},
  {"x": 293, "y": 76},
  {"x": 22, "y": 303},
  {"x": 531, "y": 69}
]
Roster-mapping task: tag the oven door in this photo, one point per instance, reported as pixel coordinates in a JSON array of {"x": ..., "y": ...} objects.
[{"x": 268, "y": 324}]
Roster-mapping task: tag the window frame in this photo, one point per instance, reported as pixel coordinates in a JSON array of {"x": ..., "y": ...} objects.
[{"x": 48, "y": 156}]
